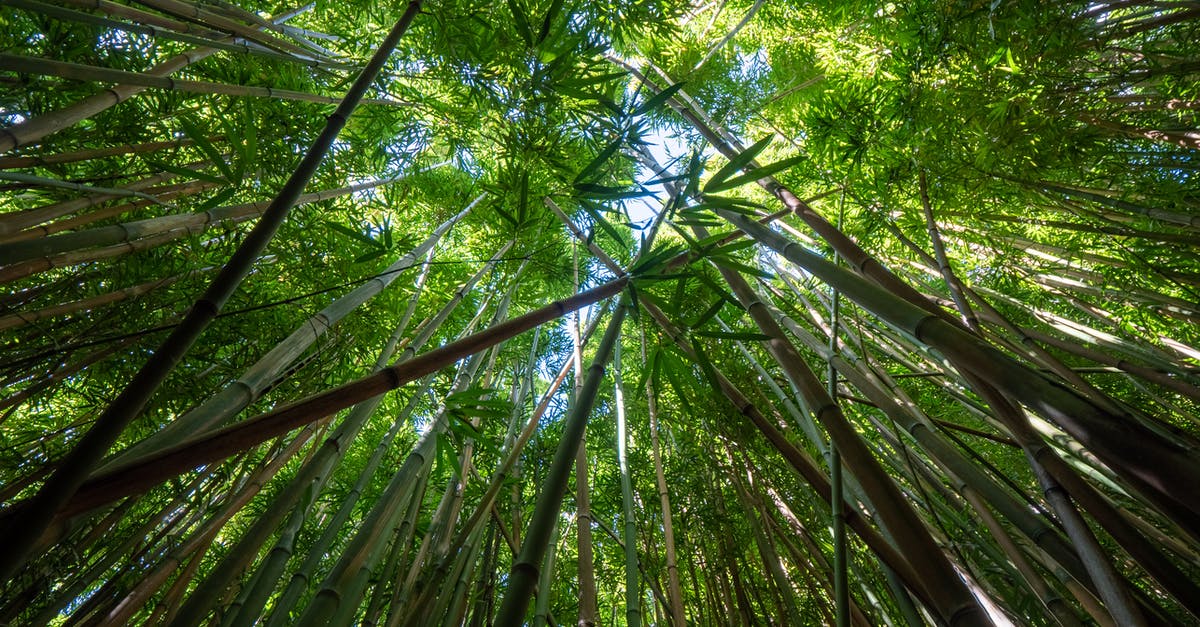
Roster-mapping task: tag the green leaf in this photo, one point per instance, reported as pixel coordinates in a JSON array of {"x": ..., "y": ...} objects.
[
  {"x": 548, "y": 21},
  {"x": 718, "y": 289},
  {"x": 349, "y": 232},
  {"x": 197, "y": 136},
  {"x": 375, "y": 254},
  {"x": 710, "y": 373},
  {"x": 217, "y": 200},
  {"x": 606, "y": 226},
  {"x": 708, "y": 314},
  {"x": 755, "y": 174},
  {"x": 609, "y": 192},
  {"x": 726, "y": 262},
  {"x": 186, "y": 172},
  {"x": 658, "y": 99},
  {"x": 521, "y": 22},
  {"x": 598, "y": 161},
  {"x": 736, "y": 164}
]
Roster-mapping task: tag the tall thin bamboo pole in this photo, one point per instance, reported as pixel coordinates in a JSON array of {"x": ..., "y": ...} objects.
[{"x": 524, "y": 573}]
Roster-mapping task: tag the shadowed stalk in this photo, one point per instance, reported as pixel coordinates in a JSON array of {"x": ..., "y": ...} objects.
[{"x": 523, "y": 576}]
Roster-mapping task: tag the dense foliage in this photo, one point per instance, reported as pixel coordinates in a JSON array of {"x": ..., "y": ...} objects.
[{"x": 887, "y": 312}]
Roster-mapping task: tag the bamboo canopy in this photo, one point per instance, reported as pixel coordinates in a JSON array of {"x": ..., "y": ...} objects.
[{"x": 612, "y": 313}]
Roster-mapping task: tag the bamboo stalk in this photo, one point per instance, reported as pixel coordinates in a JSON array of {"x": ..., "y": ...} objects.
[
  {"x": 80, "y": 72},
  {"x": 40, "y": 126},
  {"x": 526, "y": 568},
  {"x": 62, "y": 485},
  {"x": 1137, "y": 454}
]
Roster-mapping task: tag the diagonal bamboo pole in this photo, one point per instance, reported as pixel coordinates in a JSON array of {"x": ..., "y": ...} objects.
[
  {"x": 149, "y": 471},
  {"x": 75, "y": 467},
  {"x": 80, "y": 72},
  {"x": 40, "y": 126}
]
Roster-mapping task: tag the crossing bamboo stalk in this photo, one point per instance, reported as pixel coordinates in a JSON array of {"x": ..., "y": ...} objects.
[{"x": 75, "y": 467}]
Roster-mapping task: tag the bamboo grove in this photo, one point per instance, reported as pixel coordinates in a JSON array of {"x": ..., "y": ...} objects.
[{"x": 612, "y": 313}]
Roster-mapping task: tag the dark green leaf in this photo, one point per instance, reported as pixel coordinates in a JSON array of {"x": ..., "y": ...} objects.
[
  {"x": 521, "y": 22},
  {"x": 658, "y": 99}
]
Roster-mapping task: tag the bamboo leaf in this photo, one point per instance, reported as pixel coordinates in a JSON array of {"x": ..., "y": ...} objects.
[
  {"x": 598, "y": 161},
  {"x": 349, "y": 232},
  {"x": 708, "y": 314},
  {"x": 186, "y": 172},
  {"x": 736, "y": 164},
  {"x": 210, "y": 151},
  {"x": 755, "y": 174},
  {"x": 657, "y": 100},
  {"x": 521, "y": 22},
  {"x": 218, "y": 199},
  {"x": 548, "y": 21},
  {"x": 726, "y": 262}
]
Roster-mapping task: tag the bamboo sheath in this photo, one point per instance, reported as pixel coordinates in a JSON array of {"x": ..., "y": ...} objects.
[{"x": 91, "y": 73}]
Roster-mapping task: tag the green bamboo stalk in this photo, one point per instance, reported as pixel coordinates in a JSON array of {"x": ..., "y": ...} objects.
[
  {"x": 40, "y": 126},
  {"x": 633, "y": 588},
  {"x": 61, "y": 13},
  {"x": 310, "y": 479},
  {"x": 198, "y": 15},
  {"x": 31, "y": 161},
  {"x": 678, "y": 614},
  {"x": 162, "y": 193},
  {"x": 524, "y": 573},
  {"x": 18, "y": 320},
  {"x": 42, "y": 181},
  {"x": 263, "y": 373},
  {"x": 135, "y": 601},
  {"x": 799, "y": 460},
  {"x": 343, "y": 585},
  {"x": 12, "y": 223},
  {"x": 80, "y": 72},
  {"x": 146, "y": 472},
  {"x": 954, "y": 603},
  {"x": 79, "y": 463},
  {"x": 1141, "y": 457},
  {"x": 301, "y": 577},
  {"x": 122, "y": 239}
]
